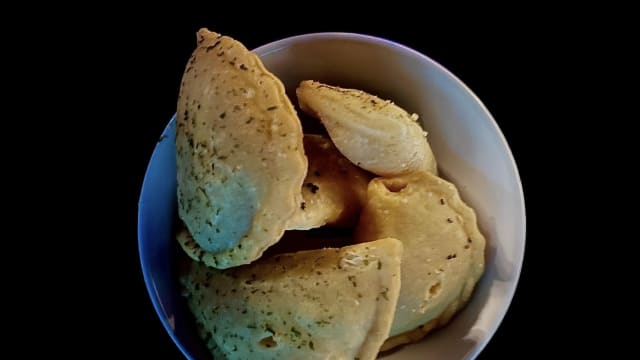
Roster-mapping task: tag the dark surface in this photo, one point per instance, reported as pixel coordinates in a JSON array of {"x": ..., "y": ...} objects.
[{"x": 495, "y": 62}]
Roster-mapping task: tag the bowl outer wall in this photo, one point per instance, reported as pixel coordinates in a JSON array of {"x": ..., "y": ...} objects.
[{"x": 468, "y": 144}]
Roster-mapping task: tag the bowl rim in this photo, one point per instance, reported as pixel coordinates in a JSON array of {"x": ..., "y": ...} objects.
[{"x": 277, "y": 45}]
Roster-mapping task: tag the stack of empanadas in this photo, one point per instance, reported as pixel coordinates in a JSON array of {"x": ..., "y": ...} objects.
[{"x": 247, "y": 173}]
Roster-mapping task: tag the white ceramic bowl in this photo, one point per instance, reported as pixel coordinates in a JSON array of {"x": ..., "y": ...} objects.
[{"x": 470, "y": 149}]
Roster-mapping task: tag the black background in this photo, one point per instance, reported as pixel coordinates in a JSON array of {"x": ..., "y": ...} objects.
[{"x": 503, "y": 60}]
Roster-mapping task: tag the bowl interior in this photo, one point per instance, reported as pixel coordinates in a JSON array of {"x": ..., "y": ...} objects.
[{"x": 470, "y": 149}]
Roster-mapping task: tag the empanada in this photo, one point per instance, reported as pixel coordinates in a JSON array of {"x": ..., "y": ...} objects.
[
  {"x": 240, "y": 157},
  {"x": 333, "y": 191},
  {"x": 318, "y": 304},
  {"x": 443, "y": 248},
  {"x": 375, "y": 134}
]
